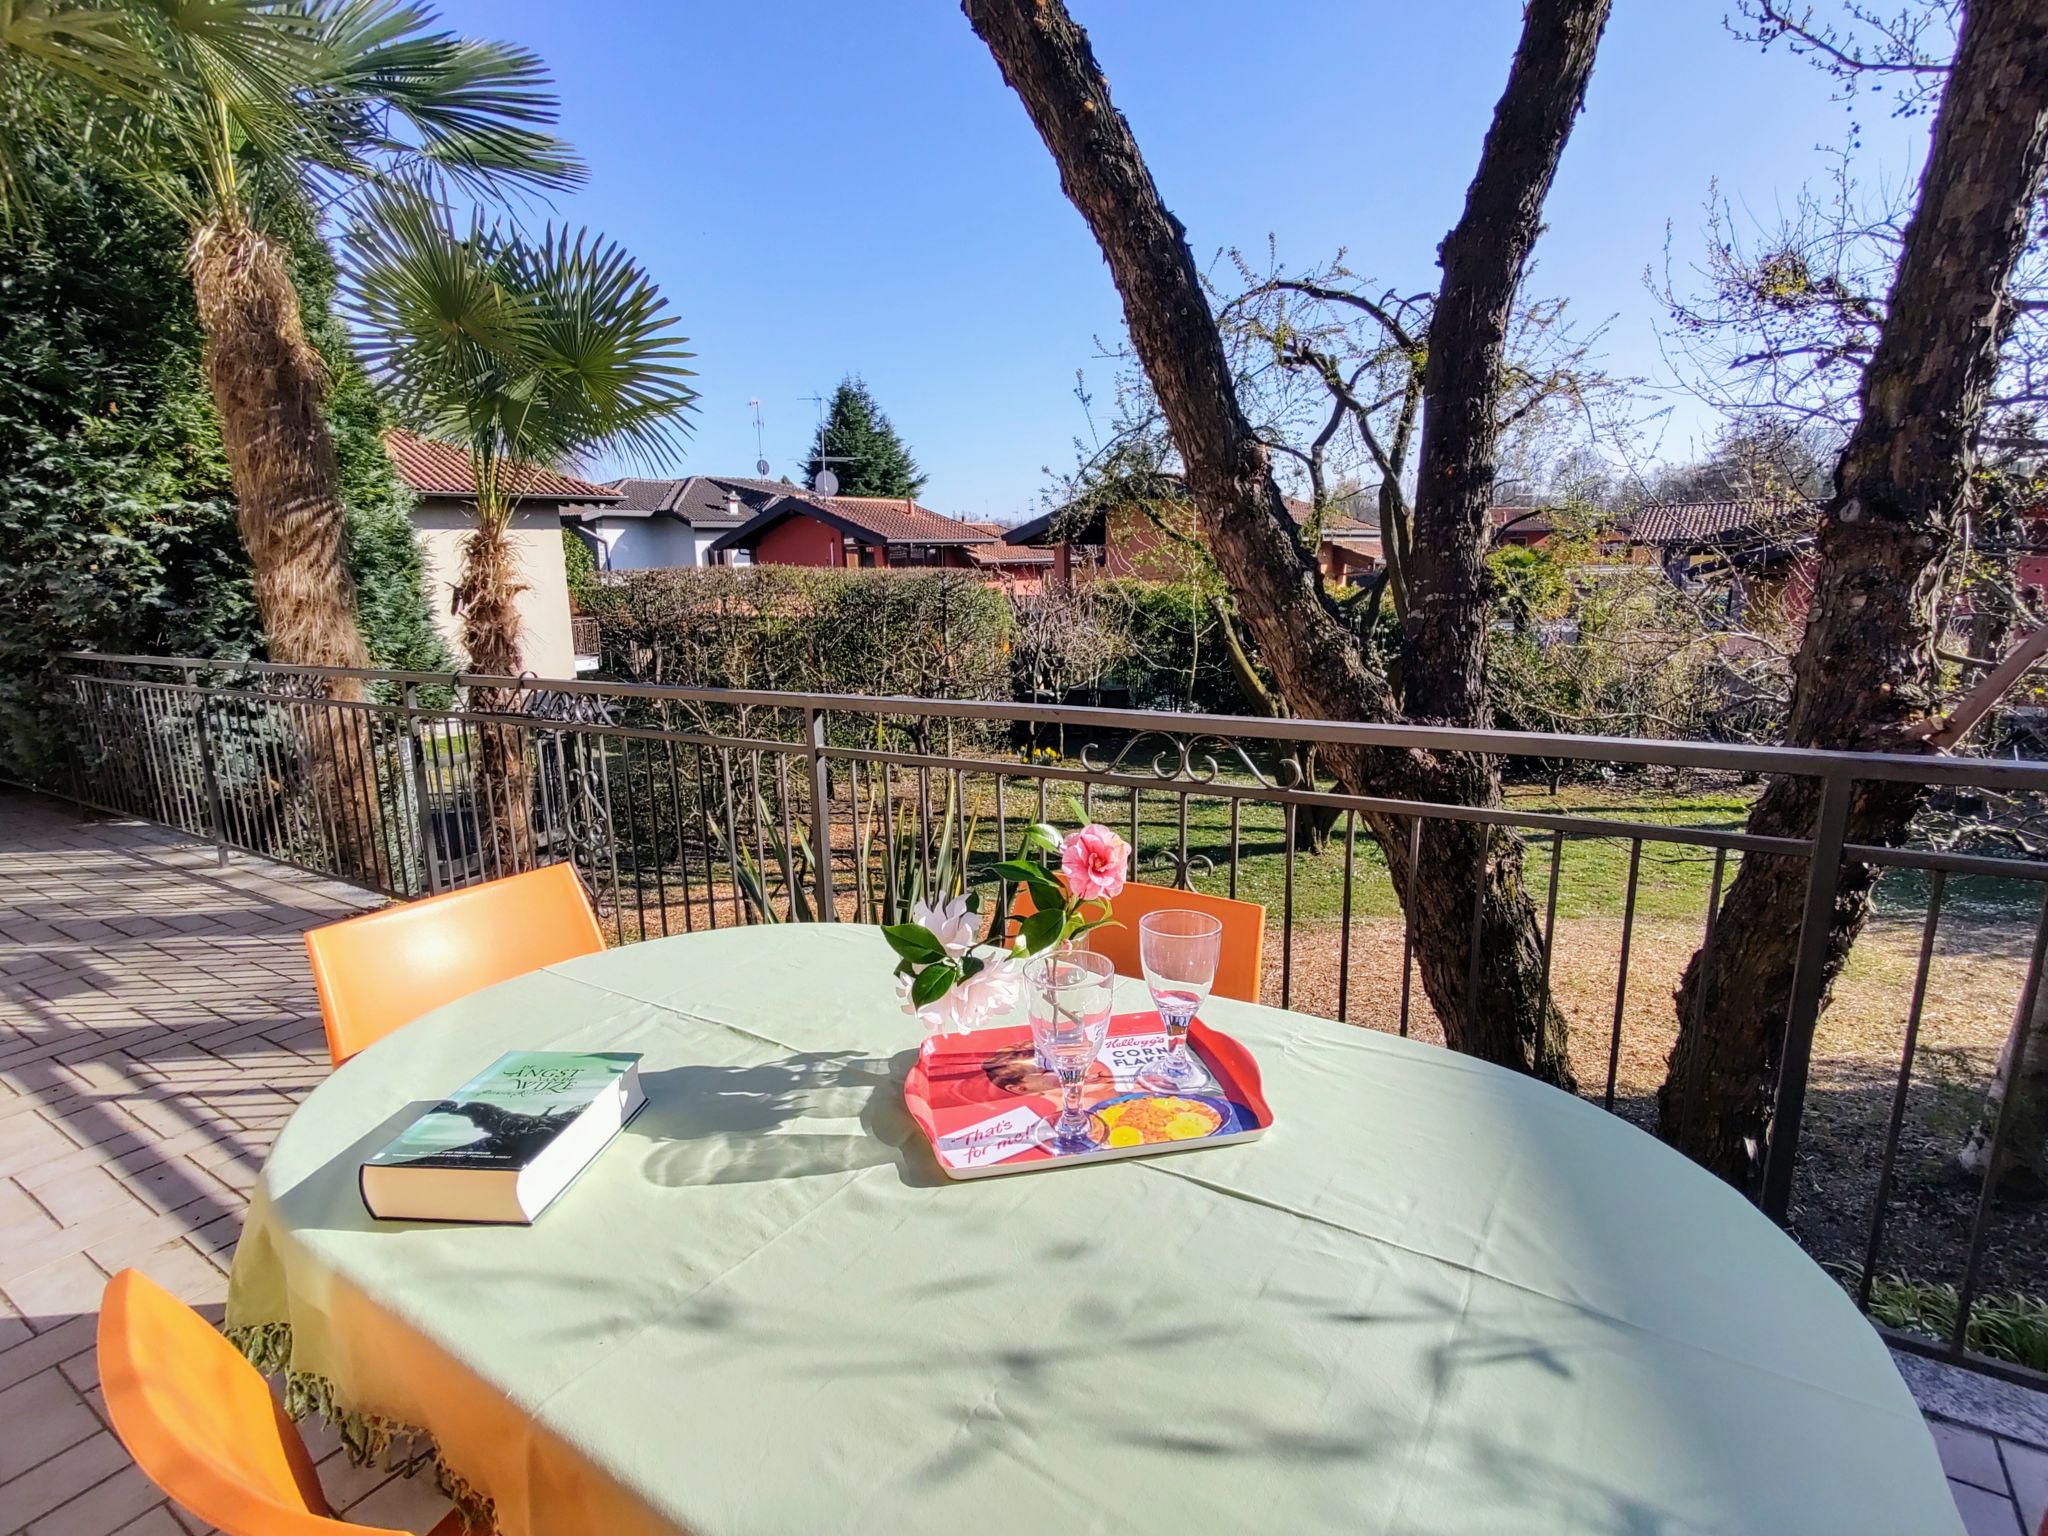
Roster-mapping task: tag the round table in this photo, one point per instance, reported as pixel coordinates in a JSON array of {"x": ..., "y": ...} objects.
[{"x": 1434, "y": 1297}]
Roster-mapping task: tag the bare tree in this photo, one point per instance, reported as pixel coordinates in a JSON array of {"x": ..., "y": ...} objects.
[
  {"x": 1327, "y": 359},
  {"x": 1865, "y": 676},
  {"x": 1475, "y": 925}
]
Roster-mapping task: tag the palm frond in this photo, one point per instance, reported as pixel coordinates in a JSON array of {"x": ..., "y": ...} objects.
[
  {"x": 477, "y": 110},
  {"x": 609, "y": 352},
  {"x": 203, "y": 95},
  {"x": 525, "y": 352},
  {"x": 92, "y": 44}
]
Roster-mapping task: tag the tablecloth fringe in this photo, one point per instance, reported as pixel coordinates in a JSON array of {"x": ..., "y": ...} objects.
[{"x": 369, "y": 1439}]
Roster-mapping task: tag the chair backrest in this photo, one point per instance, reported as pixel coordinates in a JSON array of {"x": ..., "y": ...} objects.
[
  {"x": 1244, "y": 932},
  {"x": 200, "y": 1421},
  {"x": 384, "y": 969}
]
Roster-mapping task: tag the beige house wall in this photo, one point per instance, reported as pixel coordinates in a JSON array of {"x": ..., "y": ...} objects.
[{"x": 545, "y": 647}]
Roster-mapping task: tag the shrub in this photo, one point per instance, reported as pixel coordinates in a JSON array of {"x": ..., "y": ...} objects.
[
  {"x": 579, "y": 570},
  {"x": 1175, "y": 658},
  {"x": 928, "y": 634},
  {"x": 2003, "y": 1326},
  {"x": 117, "y": 526}
]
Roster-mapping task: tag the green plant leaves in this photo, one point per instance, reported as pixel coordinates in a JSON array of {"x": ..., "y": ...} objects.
[
  {"x": 1045, "y": 891},
  {"x": 915, "y": 943},
  {"x": 1040, "y": 835},
  {"x": 933, "y": 982},
  {"x": 1043, "y": 929}
]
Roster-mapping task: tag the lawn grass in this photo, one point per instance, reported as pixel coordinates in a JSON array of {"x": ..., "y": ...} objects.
[{"x": 1673, "y": 880}]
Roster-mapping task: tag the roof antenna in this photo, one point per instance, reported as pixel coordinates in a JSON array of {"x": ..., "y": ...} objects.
[
  {"x": 761, "y": 454},
  {"x": 824, "y": 482}
]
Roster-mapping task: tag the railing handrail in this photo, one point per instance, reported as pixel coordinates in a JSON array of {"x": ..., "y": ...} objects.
[
  {"x": 393, "y": 788},
  {"x": 1920, "y": 768}
]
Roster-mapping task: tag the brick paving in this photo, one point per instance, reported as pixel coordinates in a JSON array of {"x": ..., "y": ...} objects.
[{"x": 157, "y": 1025}]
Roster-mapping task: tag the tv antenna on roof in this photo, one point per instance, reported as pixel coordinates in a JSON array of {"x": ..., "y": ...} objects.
[
  {"x": 761, "y": 454},
  {"x": 823, "y": 481}
]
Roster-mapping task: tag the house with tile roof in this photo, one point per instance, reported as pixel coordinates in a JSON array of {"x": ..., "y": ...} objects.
[
  {"x": 664, "y": 524},
  {"x": 857, "y": 532},
  {"x": 1757, "y": 557},
  {"x": 1020, "y": 569},
  {"x": 1347, "y": 548},
  {"x": 443, "y": 515}
]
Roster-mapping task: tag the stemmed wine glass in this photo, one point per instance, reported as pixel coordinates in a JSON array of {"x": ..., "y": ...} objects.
[
  {"x": 1072, "y": 996},
  {"x": 1179, "y": 951}
]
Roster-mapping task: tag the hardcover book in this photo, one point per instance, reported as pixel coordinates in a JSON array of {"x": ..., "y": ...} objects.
[{"x": 502, "y": 1146}]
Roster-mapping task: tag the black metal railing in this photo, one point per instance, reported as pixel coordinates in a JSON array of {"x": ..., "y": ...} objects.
[{"x": 692, "y": 808}]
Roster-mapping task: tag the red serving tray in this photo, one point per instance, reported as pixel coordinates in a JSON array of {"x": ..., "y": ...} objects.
[{"x": 977, "y": 1095}]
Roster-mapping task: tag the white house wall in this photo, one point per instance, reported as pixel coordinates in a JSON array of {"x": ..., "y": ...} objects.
[
  {"x": 545, "y": 644},
  {"x": 649, "y": 543}
]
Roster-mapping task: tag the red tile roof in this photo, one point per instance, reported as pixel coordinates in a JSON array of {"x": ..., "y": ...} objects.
[
  {"x": 901, "y": 522},
  {"x": 1337, "y": 528},
  {"x": 432, "y": 468},
  {"x": 1708, "y": 522},
  {"x": 1001, "y": 554}
]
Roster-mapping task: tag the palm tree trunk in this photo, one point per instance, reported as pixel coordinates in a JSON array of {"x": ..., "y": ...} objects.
[
  {"x": 489, "y": 595},
  {"x": 269, "y": 386}
]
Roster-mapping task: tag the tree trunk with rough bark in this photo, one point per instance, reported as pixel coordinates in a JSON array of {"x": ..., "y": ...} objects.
[
  {"x": 1475, "y": 927},
  {"x": 269, "y": 386},
  {"x": 489, "y": 594},
  {"x": 2022, "y": 1077},
  {"x": 1865, "y": 672}
]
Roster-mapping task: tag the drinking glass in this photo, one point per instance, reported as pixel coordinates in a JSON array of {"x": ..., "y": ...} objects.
[
  {"x": 1072, "y": 996},
  {"x": 1179, "y": 951}
]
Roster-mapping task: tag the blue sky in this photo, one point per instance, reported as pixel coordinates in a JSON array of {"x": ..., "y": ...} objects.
[{"x": 823, "y": 188}]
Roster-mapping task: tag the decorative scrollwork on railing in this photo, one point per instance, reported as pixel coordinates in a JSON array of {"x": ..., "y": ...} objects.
[
  {"x": 580, "y": 708},
  {"x": 1189, "y": 760},
  {"x": 1183, "y": 865},
  {"x": 581, "y": 811}
]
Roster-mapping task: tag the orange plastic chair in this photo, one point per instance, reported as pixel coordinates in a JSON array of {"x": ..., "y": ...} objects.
[
  {"x": 202, "y": 1424},
  {"x": 1244, "y": 932},
  {"x": 384, "y": 969}
]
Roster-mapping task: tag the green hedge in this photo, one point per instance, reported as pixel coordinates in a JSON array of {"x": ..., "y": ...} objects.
[
  {"x": 117, "y": 526},
  {"x": 1176, "y": 656},
  {"x": 927, "y": 634}
]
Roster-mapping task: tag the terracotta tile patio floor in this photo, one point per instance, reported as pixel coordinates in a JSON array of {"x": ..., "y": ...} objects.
[{"x": 157, "y": 1025}]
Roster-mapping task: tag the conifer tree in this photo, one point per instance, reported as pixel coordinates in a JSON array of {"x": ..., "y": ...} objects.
[{"x": 858, "y": 444}]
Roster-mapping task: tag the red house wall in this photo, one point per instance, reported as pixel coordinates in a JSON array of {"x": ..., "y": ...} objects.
[{"x": 799, "y": 541}]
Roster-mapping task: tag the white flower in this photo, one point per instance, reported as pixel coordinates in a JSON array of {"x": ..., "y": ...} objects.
[
  {"x": 956, "y": 928},
  {"x": 969, "y": 1003}
]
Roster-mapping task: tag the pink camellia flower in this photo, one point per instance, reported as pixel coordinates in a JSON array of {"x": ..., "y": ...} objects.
[{"x": 1093, "y": 860}]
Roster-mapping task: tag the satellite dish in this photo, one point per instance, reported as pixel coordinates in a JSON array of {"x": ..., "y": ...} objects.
[
  {"x": 760, "y": 466},
  {"x": 825, "y": 483}
]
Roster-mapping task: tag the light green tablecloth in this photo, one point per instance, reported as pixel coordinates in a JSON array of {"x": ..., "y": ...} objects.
[{"x": 1433, "y": 1298}]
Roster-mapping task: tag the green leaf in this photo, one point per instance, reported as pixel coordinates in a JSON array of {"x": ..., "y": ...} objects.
[
  {"x": 1019, "y": 871},
  {"x": 1046, "y": 894},
  {"x": 1040, "y": 834},
  {"x": 933, "y": 983},
  {"x": 1042, "y": 929},
  {"x": 915, "y": 943}
]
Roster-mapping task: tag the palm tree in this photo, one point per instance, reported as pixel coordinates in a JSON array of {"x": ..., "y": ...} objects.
[
  {"x": 524, "y": 353},
  {"x": 249, "y": 118}
]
